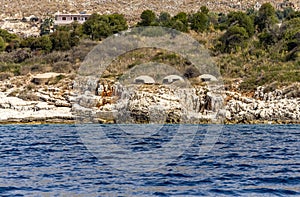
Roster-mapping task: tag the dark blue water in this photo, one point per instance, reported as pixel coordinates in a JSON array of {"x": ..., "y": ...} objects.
[{"x": 247, "y": 160}]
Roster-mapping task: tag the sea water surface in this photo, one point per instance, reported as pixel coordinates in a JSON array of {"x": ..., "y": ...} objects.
[{"x": 246, "y": 160}]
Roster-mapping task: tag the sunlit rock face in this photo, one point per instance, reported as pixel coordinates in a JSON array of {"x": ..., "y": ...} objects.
[
  {"x": 145, "y": 103},
  {"x": 169, "y": 98},
  {"x": 277, "y": 106}
]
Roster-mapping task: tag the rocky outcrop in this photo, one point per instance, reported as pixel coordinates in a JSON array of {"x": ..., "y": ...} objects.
[
  {"x": 159, "y": 104},
  {"x": 50, "y": 104},
  {"x": 150, "y": 104},
  {"x": 24, "y": 29},
  {"x": 278, "y": 106},
  {"x": 23, "y": 101},
  {"x": 14, "y": 110}
]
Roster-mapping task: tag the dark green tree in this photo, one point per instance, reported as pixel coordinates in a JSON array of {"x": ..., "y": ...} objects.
[
  {"x": 179, "y": 26},
  {"x": 233, "y": 39},
  {"x": 222, "y": 21},
  {"x": 27, "y": 42},
  {"x": 7, "y": 37},
  {"x": 44, "y": 43},
  {"x": 266, "y": 17},
  {"x": 204, "y": 10},
  {"x": 13, "y": 45},
  {"x": 117, "y": 22},
  {"x": 242, "y": 20},
  {"x": 46, "y": 26},
  {"x": 164, "y": 19},
  {"x": 267, "y": 37},
  {"x": 102, "y": 26},
  {"x": 295, "y": 14},
  {"x": 180, "y": 22},
  {"x": 181, "y": 16},
  {"x": 148, "y": 18},
  {"x": 199, "y": 22},
  {"x": 60, "y": 40},
  {"x": 290, "y": 37},
  {"x": 287, "y": 12}
]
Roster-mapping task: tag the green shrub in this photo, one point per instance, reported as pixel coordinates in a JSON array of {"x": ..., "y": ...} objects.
[
  {"x": 8, "y": 37},
  {"x": 60, "y": 40},
  {"x": 102, "y": 26},
  {"x": 2, "y": 44},
  {"x": 266, "y": 17},
  {"x": 148, "y": 18},
  {"x": 43, "y": 43},
  {"x": 199, "y": 22}
]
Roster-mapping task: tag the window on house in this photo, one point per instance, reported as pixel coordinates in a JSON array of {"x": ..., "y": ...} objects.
[
  {"x": 64, "y": 18},
  {"x": 75, "y": 18}
]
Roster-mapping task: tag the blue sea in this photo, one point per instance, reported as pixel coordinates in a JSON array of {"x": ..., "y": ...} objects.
[{"x": 63, "y": 160}]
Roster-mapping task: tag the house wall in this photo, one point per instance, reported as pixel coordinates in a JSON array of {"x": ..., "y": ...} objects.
[{"x": 61, "y": 19}]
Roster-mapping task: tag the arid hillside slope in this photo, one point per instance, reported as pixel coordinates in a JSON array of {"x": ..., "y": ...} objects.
[{"x": 130, "y": 8}]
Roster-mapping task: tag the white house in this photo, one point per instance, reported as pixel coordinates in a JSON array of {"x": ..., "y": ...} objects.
[{"x": 64, "y": 19}]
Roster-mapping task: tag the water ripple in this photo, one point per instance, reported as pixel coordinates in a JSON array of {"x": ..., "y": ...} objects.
[{"x": 248, "y": 160}]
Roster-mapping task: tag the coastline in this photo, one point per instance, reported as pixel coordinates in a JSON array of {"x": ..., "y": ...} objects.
[
  {"x": 73, "y": 122},
  {"x": 58, "y": 104}
]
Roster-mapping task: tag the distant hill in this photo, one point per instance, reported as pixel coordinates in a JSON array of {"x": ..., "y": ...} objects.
[{"x": 130, "y": 8}]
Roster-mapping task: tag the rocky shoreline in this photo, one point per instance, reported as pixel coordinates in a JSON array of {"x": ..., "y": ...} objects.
[
  {"x": 22, "y": 103},
  {"x": 276, "y": 107}
]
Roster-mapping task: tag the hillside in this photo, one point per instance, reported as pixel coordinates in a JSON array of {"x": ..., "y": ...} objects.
[
  {"x": 130, "y": 9},
  {"x": 257, "y": 53}
]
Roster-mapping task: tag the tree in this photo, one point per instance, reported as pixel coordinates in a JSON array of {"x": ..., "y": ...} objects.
[
  {"x": 181, "y": 16},
  {"x": 88, "y": 24},
  {"x": 44, "y": 43},
  {"x": 266, "y": 17},
  {"x": 27, "y": 42},
  {"x": 288, "y": 12},
  {"x": 7, "y": 37},
  {"x": 46, "y": 26},
  {"x": 102, "y": 26},
  {"x": 60, "y": 40},
  {"x": 148, "y": 18},
  {"x": 295, "y": 14},
  {"x": 233, "y": 39},
  {"x": 204, "y": 10},
  {"x": 199, "y": 22},
  {"x": 180, "y": 22},
  {"x": 222, "y": 21},
  {"x": 179, "y": 26},
  {"x": 242, "y": 20},
  {"x": 101, "y": 30},
  {"x": 164, "y": 19},
  {"x": 290, "y": 34},
  {"x": 13, "y": 45},
  {"x": 267, "y": 38},
  {"x": 2, "y": 44},
  {"x": 117, "y": 23}
]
